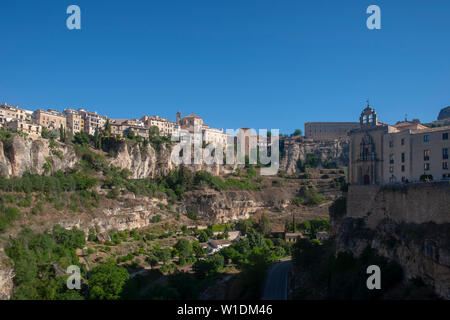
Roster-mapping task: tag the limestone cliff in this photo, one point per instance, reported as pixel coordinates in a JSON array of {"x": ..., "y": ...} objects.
[
  {"x": 6, "y": 276},
  {"x": 227, "y": 206},
  {"x": 22, "y": 155},
  {"x": 294, "y": 149}
]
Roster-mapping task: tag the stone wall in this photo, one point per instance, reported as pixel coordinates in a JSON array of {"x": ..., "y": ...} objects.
[
  {"x": 409, "y": 224},
  {"x": 409, "y": 203}
]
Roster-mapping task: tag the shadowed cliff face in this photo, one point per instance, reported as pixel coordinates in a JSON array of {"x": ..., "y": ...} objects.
[{"x": 415, "y": 235}]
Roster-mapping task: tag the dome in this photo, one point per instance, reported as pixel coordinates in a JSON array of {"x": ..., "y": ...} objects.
[{"x": 444, "y": 113}]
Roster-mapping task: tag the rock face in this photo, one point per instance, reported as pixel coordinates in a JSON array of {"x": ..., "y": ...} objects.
[
  {"x": 25, "y": 155},
  {"x": 118, "y": 218},
  {"x": 141, "y": 161},
  {"x": 294, "y": 149},
  {"x": 409, "y": 224},
  {"x": 6, "y": 276}
]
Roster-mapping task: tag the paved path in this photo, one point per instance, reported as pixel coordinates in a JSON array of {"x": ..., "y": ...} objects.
[{"x": 276, "y": 287}]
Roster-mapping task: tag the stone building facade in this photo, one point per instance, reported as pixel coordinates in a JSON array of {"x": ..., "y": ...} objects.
[
  {"x": 18, "y": 125},
  {"x": 166, "y": 127},
  {"x": 50, "y": 119},
  {"x": 121, "y": 127},
  {"x": 193, "y": 123},
  {"x": 400, "y": 153},
  {"x": 74, "y": 120},
  {"x": 9, "y": 113},
  {"x": 328, "y": 130},
  {"x": 92, "y": 121}
]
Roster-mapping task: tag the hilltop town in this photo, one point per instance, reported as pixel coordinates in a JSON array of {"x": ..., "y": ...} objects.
[
  {"x": 128, "y": 209},
  {"x": 81, "y": 120}
]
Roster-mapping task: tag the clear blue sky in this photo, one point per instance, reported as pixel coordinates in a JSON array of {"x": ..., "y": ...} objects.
[{"x": 252, "y": 63}]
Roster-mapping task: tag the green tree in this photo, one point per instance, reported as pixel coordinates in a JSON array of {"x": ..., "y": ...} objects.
[
  {"x": 184, "y": 248},
  {"x": 62, "y": 135},
  {"x": 300, "y": 165},
  {"x": 106, "y": 281},
  {"x": 192, "y": 215},
  {"x": 197, "y": 249},
  {"x": 164, "y": 255},
  {"x": 153, "y": 131},
  {"x": 203, "y": 236},
  {"x": 264, "y": 224},
  {"x": 208, "y": 267},
  {"x": 297, "y": 132},
  {"x": 312, "y": 161},
  {"x": 81, "y": 138},
  {"x": 107, "y": 129}
]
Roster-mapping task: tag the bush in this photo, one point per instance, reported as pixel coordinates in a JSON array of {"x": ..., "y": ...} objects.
[
  {"x": 37, "y": 208},
  {"x": 157, "y": 218},
  {"x": 298, "y": 201},
  {"x": 192, "y": 215},
  {"x": 35, "y": 256},
  {"x": 208, "y": 267},
  {"x": 107, "y": 281},
  {"x": 311, "y": 161},
  {"x": 313, "y": 197},
  {"x": 7, "y": 216}
]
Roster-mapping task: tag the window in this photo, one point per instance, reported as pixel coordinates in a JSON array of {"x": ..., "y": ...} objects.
[
  {"x": 391, "y": 169},
  {"x": 403, "y": 157},
  {"x": 426, "y": 166},
  {"x": 391, "y": 144},
  {"x": 446, "y": 176},
  {"x": 445, "y": 165},
  {"x": 445, "y": 153},
  {"x": 445, "y": 136},
  {"x": 403, "y": 168},
  {"x": 391, "y": 158},
  {"x": 426, "y": 155},
  {"x": 426, "y": 138},
  {"x": 403, "y": 141}
]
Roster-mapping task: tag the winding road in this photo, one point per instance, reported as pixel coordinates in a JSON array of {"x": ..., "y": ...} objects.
[{"x": 276, "y": 287}]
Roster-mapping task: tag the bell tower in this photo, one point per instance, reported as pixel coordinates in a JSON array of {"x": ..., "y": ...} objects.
[{"x": 368, "y": 117}]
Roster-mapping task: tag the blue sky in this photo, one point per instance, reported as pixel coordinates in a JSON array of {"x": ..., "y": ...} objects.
[{"x": 236, "y": 63}]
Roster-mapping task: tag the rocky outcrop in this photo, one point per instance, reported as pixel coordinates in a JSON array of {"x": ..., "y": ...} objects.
[
  {"x": 117, "y": 218},
  {"x": 6, "y": 276},
  {"x": 22, "y": 155},
  {"x": 294, "y": 149},
  {"x": 226, "y": 206},
  {"x": 141, "y": 161}
]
